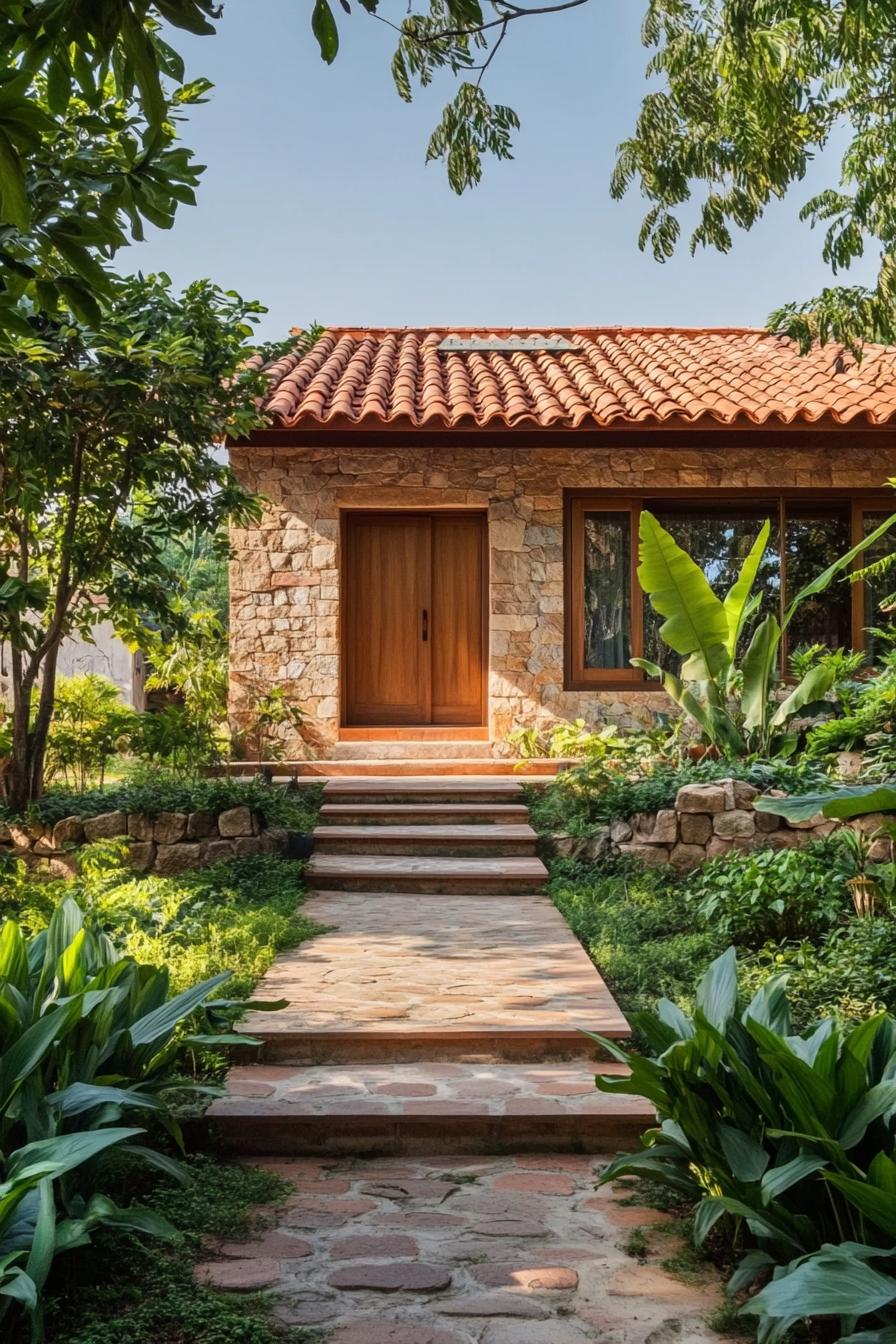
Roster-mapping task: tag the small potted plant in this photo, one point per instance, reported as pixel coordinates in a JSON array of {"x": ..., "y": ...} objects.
[{"x": 856, "y": 866}]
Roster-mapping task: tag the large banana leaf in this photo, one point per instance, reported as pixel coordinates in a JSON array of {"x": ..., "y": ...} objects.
[
  {"x": 815, "y": 684},
  {"x": 712, "y": 718},
  {"x": 696, "y": 625},
  {"x": 826, "y": 578},
  {"x": 852, "y": 800},
  {"x": 759, "y": 668},
  {"x": 738, "y": 602}
]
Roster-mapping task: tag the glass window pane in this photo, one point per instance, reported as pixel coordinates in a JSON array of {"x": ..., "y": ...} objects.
[
  {"x": 882, "y": 586},
  {"x": 718, "y": 540},
  {"x": 608, "y": 581},
  {"x": 814, "y": 540}
]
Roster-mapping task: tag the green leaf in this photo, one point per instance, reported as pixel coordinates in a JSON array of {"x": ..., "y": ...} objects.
[
  {"x": 815, "y": 684},
  {"x": 876, "y": 1102},
  {"x": 876, "y": 1204},
  {"x": 323, "y": 25},
  {"x": 852, "y": 800},
  {"x": 159, "y": 1024},
  {"x": 778, "y": 1180},
  {"x": 696, "y": 625},
  {"x": 758, "y": 668},
  {"x": 738, "y": 600},
  {"x": 825, "y": 1285},
  {"x": 746, "y": 1158},
  {"x": 14, "y": 204},
  {"x": 716, "y": 996}
]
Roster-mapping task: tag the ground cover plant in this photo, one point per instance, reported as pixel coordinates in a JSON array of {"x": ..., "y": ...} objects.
[
  {"x": 152, "y": 793},
  {"x": 114, "y": 1293},
  {"x": 788, "y": 1138},
  {"x": 234, "y": 916}
]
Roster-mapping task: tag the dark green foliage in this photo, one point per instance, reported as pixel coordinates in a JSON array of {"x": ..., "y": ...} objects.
[
  {"x": 115, "y": 1294},
  {"x": 636, "y": 925},
  {"x": 296, "y": 810},
  {"x": 789, "y": 1137},
  {"x": 581, "y": 799},
  {"x": 751, "y": 897}
]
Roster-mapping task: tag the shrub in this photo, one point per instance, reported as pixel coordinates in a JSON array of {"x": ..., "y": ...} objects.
[
  {"x": 752, "y": 896},
  {"x": 788, "y": 1139},
  {"x": 90, "y": 725},
  {"x": 88, "y": 1039},
  {"x": 296, "y": 809}
]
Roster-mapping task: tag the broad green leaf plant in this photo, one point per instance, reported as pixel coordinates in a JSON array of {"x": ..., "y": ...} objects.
[
  {"x": 790, "y": 1139},
  {"x": 89, "y": 1044},
  {"x": 728, "y": 690}
]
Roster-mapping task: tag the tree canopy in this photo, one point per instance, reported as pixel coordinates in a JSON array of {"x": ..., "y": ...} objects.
[
  {"x": 107, "y": 436},
  {"x": 747, "y": 93}
]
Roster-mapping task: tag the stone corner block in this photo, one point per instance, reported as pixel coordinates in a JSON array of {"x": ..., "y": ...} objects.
[
  {"x": 709, "y": 798},
  {"x": 236, "y": 821}
]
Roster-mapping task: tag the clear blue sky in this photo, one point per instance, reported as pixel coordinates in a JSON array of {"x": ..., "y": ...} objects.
[{"x": 317, "y": 201}]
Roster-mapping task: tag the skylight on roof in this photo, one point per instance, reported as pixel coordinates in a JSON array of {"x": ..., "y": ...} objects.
[{"x": 504, "y": 344}]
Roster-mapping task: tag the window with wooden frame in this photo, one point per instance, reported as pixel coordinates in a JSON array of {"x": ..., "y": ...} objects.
[{"x": 609, "y": 620}]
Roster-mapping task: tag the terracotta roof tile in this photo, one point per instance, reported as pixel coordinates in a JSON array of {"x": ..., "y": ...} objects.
[{"x": 615, "y": 376}]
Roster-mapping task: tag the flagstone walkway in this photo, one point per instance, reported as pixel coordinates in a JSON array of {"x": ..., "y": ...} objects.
[
  {"x": 431, "y": 1092},
  {"x": 479, "y": 1250}
]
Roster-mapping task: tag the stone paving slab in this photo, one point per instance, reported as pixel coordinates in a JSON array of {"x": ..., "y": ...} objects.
[
  {"x": 407, "y": 1108},
  {"x": 447, "y": 1250},
  {"x": 399, "y": 966}
]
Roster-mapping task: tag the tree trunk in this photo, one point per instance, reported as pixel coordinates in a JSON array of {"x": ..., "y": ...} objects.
[{"x": 25, "y": 775}]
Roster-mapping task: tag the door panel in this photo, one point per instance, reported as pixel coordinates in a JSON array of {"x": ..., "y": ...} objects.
[
  {"x": 386, "y": 588},
  {"x": 458, "y": 660},
  {"x": 413, "y": 625}
]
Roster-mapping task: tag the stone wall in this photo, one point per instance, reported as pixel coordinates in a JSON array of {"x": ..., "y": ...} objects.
[
  {"x": 706, "y": 820},
  {"x": 172, "y": 842},
  {"x": 285, "y": 578}
]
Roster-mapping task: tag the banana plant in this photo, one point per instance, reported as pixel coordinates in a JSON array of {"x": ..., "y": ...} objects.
[{"x": 730, "y": 697}]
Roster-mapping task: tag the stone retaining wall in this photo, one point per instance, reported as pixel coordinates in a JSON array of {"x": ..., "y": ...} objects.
[
  {"x": 705, "y": 821},
  {"x": 172, "y": 842}
]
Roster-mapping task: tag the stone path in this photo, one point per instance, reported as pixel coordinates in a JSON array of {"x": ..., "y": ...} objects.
[
  {"x": 442, "y": 1014},
  {"x": 451, "y": 1250},
  {"x": 448, "y": 955}
]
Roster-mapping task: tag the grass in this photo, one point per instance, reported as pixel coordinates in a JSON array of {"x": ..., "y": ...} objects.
[
  {"x": 235, "y": 916},
  {"x": 636, "y": 926},
  {"x": 124, "y": 1291}
]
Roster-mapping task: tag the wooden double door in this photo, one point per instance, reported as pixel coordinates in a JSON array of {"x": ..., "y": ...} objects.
[{"x": 414, "y": 634}]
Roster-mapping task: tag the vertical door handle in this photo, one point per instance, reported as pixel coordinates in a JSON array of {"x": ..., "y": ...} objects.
[{"x": 425, "y": 625}]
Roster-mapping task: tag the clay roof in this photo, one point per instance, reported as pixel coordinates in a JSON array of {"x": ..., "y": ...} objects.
[{"x": 614, "y": 376}]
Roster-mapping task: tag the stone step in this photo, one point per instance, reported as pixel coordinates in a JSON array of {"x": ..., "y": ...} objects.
[
  {"x": 381, "y": 751},
  {"x": 466, "y": 790},
  {"x": 400, "y": 979},
  {"x": 393, "y": 1109},
  {"x": 423, "y": 814},
  {"x": 446, "y": 841},
  {"x": 425, "y": 876}
]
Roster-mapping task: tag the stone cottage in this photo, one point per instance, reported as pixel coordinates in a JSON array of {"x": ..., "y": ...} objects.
[{"x": 449, "y": 544}]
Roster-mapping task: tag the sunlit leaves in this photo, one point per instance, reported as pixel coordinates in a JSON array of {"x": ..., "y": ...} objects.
[
  {"x": 470, "y": 127},
  {"x": 751, "y": 93}
]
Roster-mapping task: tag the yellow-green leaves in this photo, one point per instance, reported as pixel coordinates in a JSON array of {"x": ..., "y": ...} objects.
[{"x": 696, "y": 624}]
